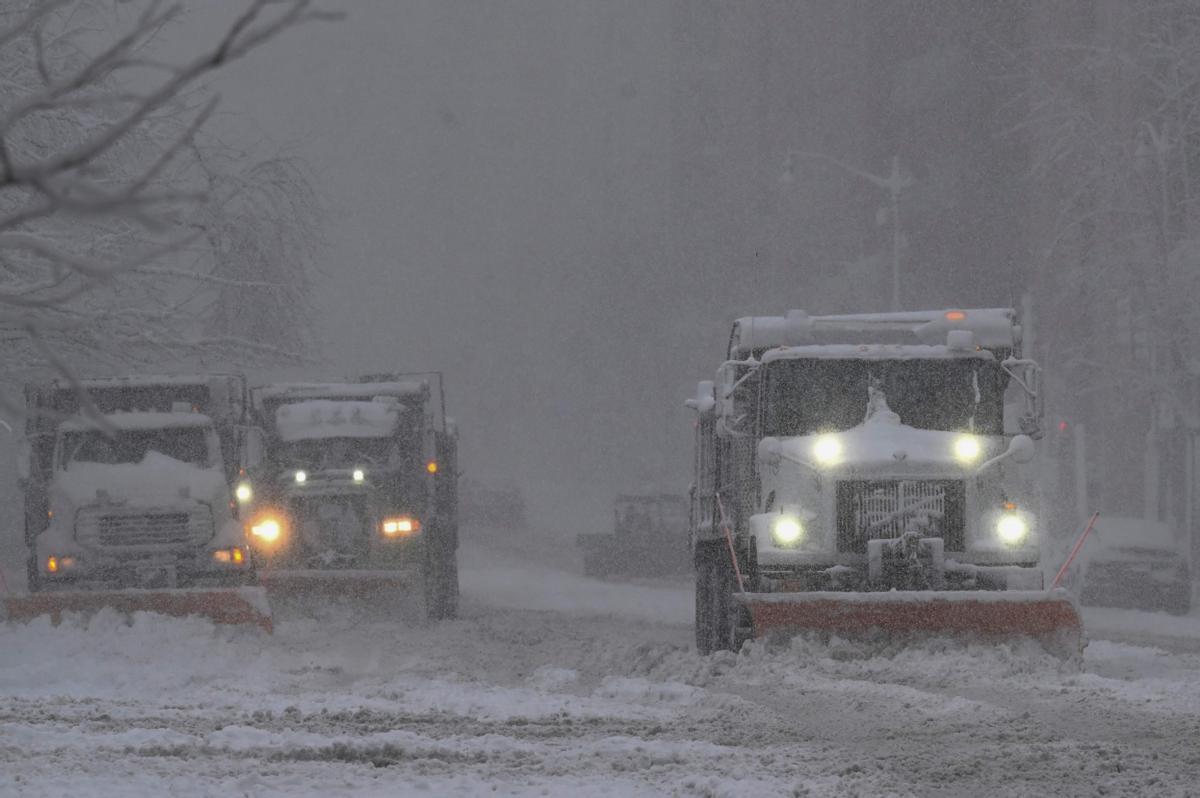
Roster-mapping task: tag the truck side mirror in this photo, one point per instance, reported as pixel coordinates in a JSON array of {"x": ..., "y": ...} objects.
[
  {"x": 703, "y": 402},
  {"x": 253, "y": 447},
  {"x": 24, "y": 455}
]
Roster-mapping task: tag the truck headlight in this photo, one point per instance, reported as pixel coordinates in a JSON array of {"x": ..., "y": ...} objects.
[
  {"x": 359, "y": 475},
  {"x": 267, "y": 529},
  {"x": 787, "y": 530},
  {"x": 56, "y": 564},
  {"x": 967, "y": 449},
  {"x": 301, "y": 477},
  {"x": 243, "y": 492},
  {"x": 1011, "y": 529},
  {"x": 235, "y": 556},
  {"x": 827, "y": 450},
  {"x": 400, "y": 526}
]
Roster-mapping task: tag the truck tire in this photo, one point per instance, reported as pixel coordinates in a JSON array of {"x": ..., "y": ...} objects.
[
  {"x": 714, "y": 599},
  {"x": 450, "y": 585},
  {"x": 33, "y": 578},
  {"x": 441, "y": 579}
]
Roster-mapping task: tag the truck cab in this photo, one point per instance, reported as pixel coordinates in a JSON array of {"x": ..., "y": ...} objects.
[
  {"x": 869, "y": 452},
  {"x": 356, "y": 477},
  {"x": 134, "y": 491}
]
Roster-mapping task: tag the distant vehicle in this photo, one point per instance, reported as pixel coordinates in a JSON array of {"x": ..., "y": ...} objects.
[
  {"x": 649, "y": 538},
  {"x": 496, "y": 506},
  {"x": 128, "y": 500},
  {"x": 1136, "y": 564},
  {"x": 357, "y": 492}
]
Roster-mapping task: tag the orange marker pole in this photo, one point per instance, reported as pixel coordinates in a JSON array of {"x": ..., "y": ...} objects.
[
  {"x": 1074, "y": 551},
  {"x": 729, "y": 542}
]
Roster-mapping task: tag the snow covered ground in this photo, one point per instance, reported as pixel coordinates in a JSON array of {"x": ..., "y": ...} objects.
[{"x": 552, "y": 684}]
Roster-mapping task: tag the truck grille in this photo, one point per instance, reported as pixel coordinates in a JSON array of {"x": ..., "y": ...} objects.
[
  {"x": 334, "y": 525},
  {"x": 142, "y": 528},
  {"x": 868, "y": 509}
]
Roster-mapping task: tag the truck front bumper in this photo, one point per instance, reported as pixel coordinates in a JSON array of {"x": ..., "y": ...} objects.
[{"x": 89, "y": 569}]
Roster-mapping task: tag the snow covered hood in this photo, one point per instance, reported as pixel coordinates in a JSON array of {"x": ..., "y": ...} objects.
[
  {"x": 882, "y": 442},
  {"x": 156, "y": 481},
  {"x": 319, "y": 419}
]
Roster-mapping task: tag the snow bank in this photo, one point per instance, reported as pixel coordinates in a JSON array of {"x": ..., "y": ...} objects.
[
  {"x": 508, "y": 582},
  {"x": 553, "y": 684}
]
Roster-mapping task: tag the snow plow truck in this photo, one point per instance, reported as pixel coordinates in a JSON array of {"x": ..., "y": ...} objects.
[
  {"x": 649, "y": 538},
  {"x": 356, "y": 495},
  {"x": 868, "y": 476},
  {"x": 128, "y": 504}
]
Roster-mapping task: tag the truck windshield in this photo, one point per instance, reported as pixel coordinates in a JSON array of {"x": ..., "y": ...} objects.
[
  {"x": 803, "y": 397},
  {"x": 323, "y": 454},
  {"x": 186, "y": 444}
]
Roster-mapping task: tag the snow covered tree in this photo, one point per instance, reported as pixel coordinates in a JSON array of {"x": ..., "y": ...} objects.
[
  {"x": 101, "y": 184},
  {"x": 1113, "y": 122},
  {"x": 263, "y": 230}
]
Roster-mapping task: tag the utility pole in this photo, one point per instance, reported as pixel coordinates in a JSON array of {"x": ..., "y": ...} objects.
[{"x": 894, "y": 183}]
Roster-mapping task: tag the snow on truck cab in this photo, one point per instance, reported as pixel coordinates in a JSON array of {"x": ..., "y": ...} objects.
[
  {"x": 140, "y": 498},
  {"x": 358, "y": 484},
  {"x": 859, "y": 454},
  {"x": 127, "y": 484}
]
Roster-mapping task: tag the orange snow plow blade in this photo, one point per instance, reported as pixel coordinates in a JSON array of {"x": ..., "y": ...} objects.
[
  {"x": 233, "y": 606},
  {"x": 1049, "y": 617}
]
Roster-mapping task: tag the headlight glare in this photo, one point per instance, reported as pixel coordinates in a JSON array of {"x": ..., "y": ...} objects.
[
  {"x": 267, "y": 529},
  {"x": 787, "y": 530},
  {"x": 400, "y": 526},
  {"x": 54, "y": 563},
  {"x": 235, "y": 556},
  {"x": 1011, "y": 529},
  {"x": 243, "y": 492},
  {"x": 301, "y": 477},
  {"x": 967, "y": 449},
  {"x": 827, "y": 449},
  {"x": 359, "y": 475}
]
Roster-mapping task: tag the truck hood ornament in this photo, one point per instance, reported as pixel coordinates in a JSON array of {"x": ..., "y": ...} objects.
[{"x": 878, "y": 411}]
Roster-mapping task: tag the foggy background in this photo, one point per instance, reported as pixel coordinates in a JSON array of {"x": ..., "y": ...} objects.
[{"x": 563, "y": 206}]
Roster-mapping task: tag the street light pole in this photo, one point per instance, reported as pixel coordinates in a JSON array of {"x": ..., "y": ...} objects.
[{"x": 894, "y": 184}]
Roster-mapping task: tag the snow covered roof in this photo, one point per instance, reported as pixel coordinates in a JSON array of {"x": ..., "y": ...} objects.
[
  {"x": 319, "y": 419},
  {"x": 347, "y": 390},
  {"x": 221, "y": 396},
  {"x": 989, "y": 328},
  {"x": 145, "y": 379},
  {"x": 137, "y": 420},
  {"x": 874, "y": 352}
]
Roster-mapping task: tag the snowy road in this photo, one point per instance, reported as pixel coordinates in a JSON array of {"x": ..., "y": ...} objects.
[{"x": 555, "y": 685}]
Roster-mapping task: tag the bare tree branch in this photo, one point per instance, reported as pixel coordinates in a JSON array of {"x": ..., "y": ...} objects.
[{"x": 103, "y": 195}]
